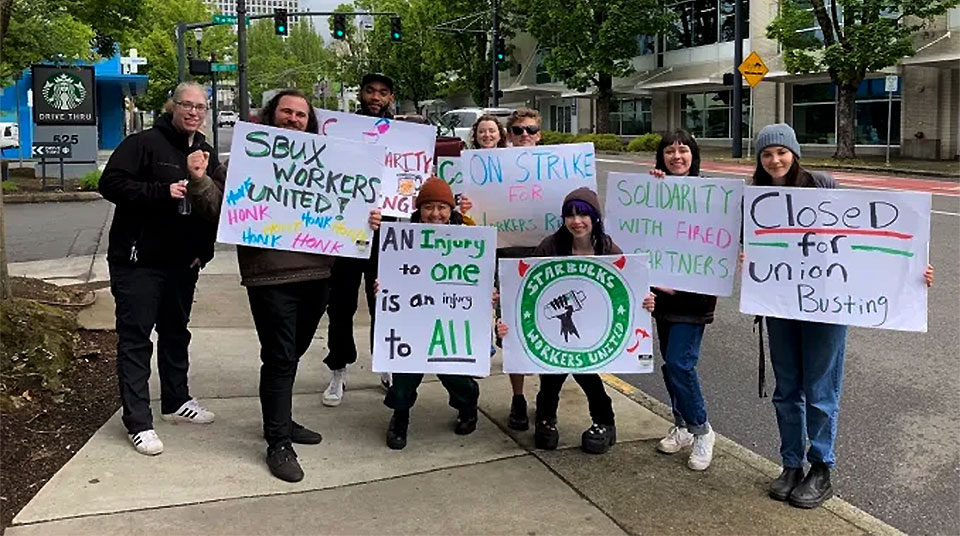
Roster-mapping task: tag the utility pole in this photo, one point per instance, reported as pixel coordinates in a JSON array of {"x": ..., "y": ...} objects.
[
  {"x": 181, "y": 53},
  {"x": 495, "y": 98},
  {"x": 242, "y": 60},
  {"x": 213, "y": 109},
  {"x": 736, "y": 129}
]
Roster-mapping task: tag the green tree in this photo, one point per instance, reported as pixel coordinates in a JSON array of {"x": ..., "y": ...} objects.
[
  {"x": 859, "y": 37},
  {"x": 590, "y": 42},
  {"x": 39, "y": 31}
]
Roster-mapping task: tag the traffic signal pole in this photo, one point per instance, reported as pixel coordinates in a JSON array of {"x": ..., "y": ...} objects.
[
  {"x": 736, "y": 130},
  {"x": 495, "y": 96}
]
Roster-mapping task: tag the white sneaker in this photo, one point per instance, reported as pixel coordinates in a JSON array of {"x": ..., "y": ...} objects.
[
  {"x": 702, "y": 453},
  {"x": 677, "y": 439},
  {"x": 334, "y": 393},
  {"x": 191, "y": 411},
  {"x": 146, "y": 442},
  {"x": 386, "y": 380}
]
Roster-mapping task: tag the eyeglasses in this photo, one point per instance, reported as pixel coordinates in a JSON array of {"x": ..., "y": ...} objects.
[
  {"x": 530, "y": 129},
  {"x": 189, "y": 107}
]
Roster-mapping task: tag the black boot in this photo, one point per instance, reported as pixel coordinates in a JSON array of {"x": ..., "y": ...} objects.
[
  {"x": 546, "y": 436},
  {"x": 518, "y": 414},
  {"x": 781, "y": 487},
  {"x": 283, "y": 464},
  {"x": 302, "y": 435},
  {"x": 466, "y": 422},
  {"x": 598, "y": 438},
  {"x": 397, "y": 431},
  {"x": 814, "y": 489}
]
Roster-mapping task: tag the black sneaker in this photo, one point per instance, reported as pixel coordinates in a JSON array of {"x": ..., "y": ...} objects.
[
  {"x": 397, "y": 431},
  {"x": 814, "y": 489},
  {"x": 518, "y": 419},
  {"x": 546, "y": 436},
  {"x": 304, "y": 436},
  {"x": 598, "y": 438},
  {"x": 466, "y": 422},
  {"x": 283, "y": 464},
  {"x": 781, "y": 488}
]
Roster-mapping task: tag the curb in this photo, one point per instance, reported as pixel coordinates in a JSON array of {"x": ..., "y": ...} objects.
[
  {"x": 50, "y": 197},
  {"x": 838, "y": 507}
]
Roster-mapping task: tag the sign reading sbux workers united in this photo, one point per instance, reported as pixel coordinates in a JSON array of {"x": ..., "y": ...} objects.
[
  {"x": 850, "y": 257},
  {"x": 297, "y": 191},
  {"x": 576, "y": 314}
]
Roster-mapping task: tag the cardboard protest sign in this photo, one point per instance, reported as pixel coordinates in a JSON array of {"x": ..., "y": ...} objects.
[
  {"x": 408, "y": 159},
  {"x": 576, "y": 314},
  {"x": 520, "y": 190},
  {"x": 689, "y": 226},
  {"x": 434, "y": 310},
  {"x": 851, "y": 257},
  {"x": 297, "y": 191}
]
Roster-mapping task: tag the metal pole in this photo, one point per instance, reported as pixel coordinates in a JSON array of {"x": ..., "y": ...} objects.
[
  {"x": 750, "y": 125},
  {"x": 889, "y": 119},
  {"x": 181, "y": 52},
  {"x": 737, "y": 131},
  {"x": 213, "y": 109},
  {"x": 16, "y": 90},
  {"x": 493, "y": 47},
  {"x": 242, "y": 60}
]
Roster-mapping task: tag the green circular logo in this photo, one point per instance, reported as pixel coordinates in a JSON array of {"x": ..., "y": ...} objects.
[
  {"x": 588, "y": 300},
  {"x": 64, "y": 91}
]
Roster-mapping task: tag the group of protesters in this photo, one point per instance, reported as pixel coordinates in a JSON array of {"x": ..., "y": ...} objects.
[{"x": 167, "y": 184}]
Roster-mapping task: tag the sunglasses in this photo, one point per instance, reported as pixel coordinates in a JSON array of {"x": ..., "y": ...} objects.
[{"x": 530, "y": 129}]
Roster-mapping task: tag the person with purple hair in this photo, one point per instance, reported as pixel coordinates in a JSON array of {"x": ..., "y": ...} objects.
[{"x": 581, "y": 234}]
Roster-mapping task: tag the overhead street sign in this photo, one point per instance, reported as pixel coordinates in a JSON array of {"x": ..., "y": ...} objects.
[
  {"x": 51, "y": 150},
  {"x": 223, "y": 67},
  {"x": 224, "y": 18},
  {"x": 753, "y": 69}
]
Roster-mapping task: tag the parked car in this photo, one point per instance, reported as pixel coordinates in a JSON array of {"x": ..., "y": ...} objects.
[
  {"x": 459, "y": 122},
  {"x": 226, "y": 117},
  {"x": 9, "y": 135}
]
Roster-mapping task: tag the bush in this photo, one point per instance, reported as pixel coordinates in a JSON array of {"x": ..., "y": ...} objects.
[
  {"x": 552, "y": 137},
  {"x": 9, "y": 187},
  {"x": 602, "y": 142},
  {"x": 646, "y": 142},
  {"x": 90, "y": 181}
]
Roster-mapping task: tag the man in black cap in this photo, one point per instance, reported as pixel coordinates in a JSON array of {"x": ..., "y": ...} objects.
[{"x": 376, "y": 100}]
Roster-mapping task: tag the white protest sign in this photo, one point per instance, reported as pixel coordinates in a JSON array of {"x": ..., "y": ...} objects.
[
  {"x": 408, "y": 159},
  {"x": 576, "y": 314},
  {"x": 434, "y": 305},
  {"x": 520, "y": 190},
  {"x": 450, "y": 169},
  {"x": 297, "y": 191},
  {"x": 689, "y": 226},
  {"x": 851, "y": 257}
]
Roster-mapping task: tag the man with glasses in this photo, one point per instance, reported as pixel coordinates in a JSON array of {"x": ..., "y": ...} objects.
[{"x": 157, "y": 247}]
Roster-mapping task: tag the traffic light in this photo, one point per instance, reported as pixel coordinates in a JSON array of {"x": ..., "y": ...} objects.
[
  {"x": 339, "y": 26},
  {"x": 280, "y": 22},
  {"x": 501, "y": 49},
  {"x": 396, "y": 32}
]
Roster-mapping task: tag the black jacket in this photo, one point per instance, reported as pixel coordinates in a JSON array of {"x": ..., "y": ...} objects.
[{"x": 147, "y": 228}]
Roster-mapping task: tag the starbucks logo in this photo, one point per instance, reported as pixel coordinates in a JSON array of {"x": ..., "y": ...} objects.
[
  {"x": 64, "y": 91},
  {"x": 574, "y": 313}
]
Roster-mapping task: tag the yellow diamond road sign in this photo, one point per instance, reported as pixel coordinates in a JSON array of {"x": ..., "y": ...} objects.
[{"x": 753, "y": 69}]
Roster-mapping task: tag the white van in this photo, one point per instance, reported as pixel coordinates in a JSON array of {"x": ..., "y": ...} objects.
[
  {"x": 459, "y": 122},
  {"x": 9, "y": 135}
]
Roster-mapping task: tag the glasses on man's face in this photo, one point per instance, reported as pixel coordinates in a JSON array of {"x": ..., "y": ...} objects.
[
  {"x": 189, "y": 107},
  {"x": 529, "y": 129}
]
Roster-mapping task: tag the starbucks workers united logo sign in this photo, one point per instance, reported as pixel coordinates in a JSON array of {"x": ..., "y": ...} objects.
[
  {"x": 575, "y": 313},
  {"x": 64, "y": 91}
]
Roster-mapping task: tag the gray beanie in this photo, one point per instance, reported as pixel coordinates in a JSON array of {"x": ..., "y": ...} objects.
[{"x": 777, "y": 134}]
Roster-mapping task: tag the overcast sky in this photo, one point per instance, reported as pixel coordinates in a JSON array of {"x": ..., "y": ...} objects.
[{"x": 323, "y": 27}]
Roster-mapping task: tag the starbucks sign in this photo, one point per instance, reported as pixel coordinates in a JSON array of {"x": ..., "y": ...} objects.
[
  {"x": 64, "y": 95},
  {"x": 576, "y": 314}
]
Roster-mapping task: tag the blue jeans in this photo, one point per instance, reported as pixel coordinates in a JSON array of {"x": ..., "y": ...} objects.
[
  {"x": 807, "y": 360},
  {"x": 680, "y": 347}
]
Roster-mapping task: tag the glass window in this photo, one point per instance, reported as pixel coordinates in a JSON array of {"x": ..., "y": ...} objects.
[
  {"x": 708, "y": 115},
  {"x": 814, "y": 123},
  {"x": 631, "y": 117},
  {"x": 543, "y": 77},
  {"x": 704, "y": 22},
  {"x": 815, "y": 112},
  {"x": 561, "y": 118},
  {"x": 807, "y": 93}
]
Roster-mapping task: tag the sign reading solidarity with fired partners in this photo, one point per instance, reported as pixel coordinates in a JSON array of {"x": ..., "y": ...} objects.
[
  {"x": 408, "y": 158},
  {"x": 689, "y": 226},
  {"x": 520, "y": 190},
  {"x": 434, "y": 305},
  {"x": 576, "y": 314},
  {"x": 297, "y": 191},
  {"x": 836, "y": 256}
]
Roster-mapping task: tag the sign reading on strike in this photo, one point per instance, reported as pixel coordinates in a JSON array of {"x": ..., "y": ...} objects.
[
  {"x": 434, "y": 306},
  {"x": 297, "y": 191},
  {"x": 690, "y": 228},
  {"x": 520, "y": 190},
  {"x": 851, "y": 257},
  {"x": 576, "y": 314}
]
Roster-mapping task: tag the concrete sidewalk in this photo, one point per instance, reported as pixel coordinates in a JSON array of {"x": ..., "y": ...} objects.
[{"x": 213, "y": 479}]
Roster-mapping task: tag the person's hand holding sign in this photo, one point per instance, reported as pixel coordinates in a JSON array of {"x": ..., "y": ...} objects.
[
  {"x": 375, "y": 219},
  {"x": 197, "y": 164}
]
